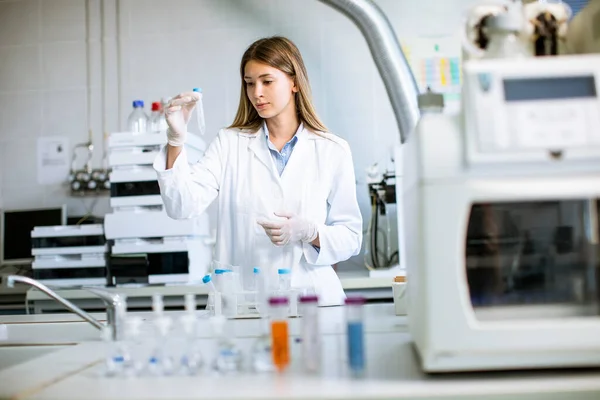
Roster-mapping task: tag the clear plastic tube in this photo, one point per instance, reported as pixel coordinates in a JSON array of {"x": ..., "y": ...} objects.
[
  {"x": 280, "y": 338},
  {"x": 285, "y": 279},
  {"x": 311, "y": 341},
  {"x": 200, "y": 113},
  {"x": 355, "y": 335}
]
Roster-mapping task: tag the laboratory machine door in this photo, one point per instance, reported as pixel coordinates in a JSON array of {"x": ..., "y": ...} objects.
[{"x": 533, "y": 260}]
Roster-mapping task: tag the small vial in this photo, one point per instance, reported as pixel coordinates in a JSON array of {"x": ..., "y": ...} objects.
[
  {"x": 311, "y": 341},
  {"x": 160, "y": 361},
  {"x": 285, "y": 279},
  {"x": 254, "y": 281},
  {"x": 200, "y": 112},
  {"x": 280, "y": 338},
  {"x": 355, "y": 335},
  {"x": 262, "y": 352},
  {"x": 229, "y": 357},
  {"x": 114, "y": 359},
  {"x": 134, "y": 349},
  {"x": 191, "y": 359},
  {"x": 252, "y": 287}
]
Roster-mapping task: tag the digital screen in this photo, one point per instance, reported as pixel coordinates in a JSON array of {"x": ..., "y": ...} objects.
[
  {"x": 549, "y": 88},
  {"x": 16, "y": 236}
]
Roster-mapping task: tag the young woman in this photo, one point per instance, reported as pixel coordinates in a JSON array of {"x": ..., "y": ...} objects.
[{"x": 285, "y": 186}]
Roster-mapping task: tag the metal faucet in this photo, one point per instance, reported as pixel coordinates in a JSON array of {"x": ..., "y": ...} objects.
[{"x": 115, "y": 303}]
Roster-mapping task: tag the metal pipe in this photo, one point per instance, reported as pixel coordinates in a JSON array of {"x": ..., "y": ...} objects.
[
  {"x": 10, "y": 280},
  {"x": 397, "y": 76}
]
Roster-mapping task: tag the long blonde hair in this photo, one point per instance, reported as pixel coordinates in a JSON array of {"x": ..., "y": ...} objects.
[{"x": 281, "y": 53}]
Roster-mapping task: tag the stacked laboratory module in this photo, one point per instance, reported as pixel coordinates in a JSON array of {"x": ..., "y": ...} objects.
[
  {"x": 148, "y": 247},
  {"x": 69, "y": 255}
]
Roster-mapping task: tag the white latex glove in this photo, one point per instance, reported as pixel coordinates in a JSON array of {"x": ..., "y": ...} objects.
[
  {"x": 291, "y": 229},
  {"x": 177, "y": 113}
]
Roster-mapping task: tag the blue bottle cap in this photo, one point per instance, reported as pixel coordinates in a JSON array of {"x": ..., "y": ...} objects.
[
  {"x": 138, "y": 103},
  {"x": 256, "y": 270},
  {"x": 206, "y": 278},
  {"x": 283, "y": 271},
  {"x": 197, "y": 89},
  {"x": 221, "y": 271}
]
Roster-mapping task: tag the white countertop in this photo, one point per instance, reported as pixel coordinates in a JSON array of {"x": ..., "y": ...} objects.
[
  {"x": 75, "y": 372},
  {"x": 350, "y": 281}
]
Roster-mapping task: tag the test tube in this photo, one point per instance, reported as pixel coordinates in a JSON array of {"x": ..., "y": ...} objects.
[
  {"x": 200, "y": 112},
  {"x": 355, "y": 334},
  {"x": 311, "y": 342},
  {"x": 280, "y": 338},
  {"x": 285, "y": 279},
  {"x": 228, "y": 295}
]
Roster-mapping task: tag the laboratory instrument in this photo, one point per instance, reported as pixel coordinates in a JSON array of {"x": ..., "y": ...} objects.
[
  {"x": 355, "y": 335},
  {"x": 280, "y": 337},
  {"x": 508, "y": 28},
  {"x": 501, "y": 203},
  {"x": 310, "y": 333},
  {"x": 16, "y": 227},
  {"x": 148, "y": 246},
  {"x": 582, "y": 34},
  {"x": 69, "y": 255}
]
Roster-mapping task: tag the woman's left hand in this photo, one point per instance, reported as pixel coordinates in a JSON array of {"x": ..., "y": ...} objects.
[{"x": 291, "y": 229}]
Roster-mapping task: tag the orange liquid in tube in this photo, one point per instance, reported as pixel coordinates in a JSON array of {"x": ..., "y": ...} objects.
[{"x": 280, "y": 345}]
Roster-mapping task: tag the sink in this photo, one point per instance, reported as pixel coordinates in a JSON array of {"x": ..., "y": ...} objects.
[{"x": 14, "y": 354}]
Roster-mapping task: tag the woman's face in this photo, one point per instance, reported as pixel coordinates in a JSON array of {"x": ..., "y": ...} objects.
[{"x": 270, "y": 90}]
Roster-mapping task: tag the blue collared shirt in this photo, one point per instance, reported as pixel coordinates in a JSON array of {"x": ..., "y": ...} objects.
[{"x": 281, "y": 158}]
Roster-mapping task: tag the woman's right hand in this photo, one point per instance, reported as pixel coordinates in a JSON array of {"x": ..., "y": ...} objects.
[{"x": 177, "y": 113}]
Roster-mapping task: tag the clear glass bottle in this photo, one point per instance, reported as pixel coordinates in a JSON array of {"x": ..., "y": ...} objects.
[
  {"x": 137, "y": 121},
  {"x": 157, "y": 121}
]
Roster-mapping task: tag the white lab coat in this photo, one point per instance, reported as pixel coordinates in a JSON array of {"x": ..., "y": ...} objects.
[{"x": 317, "y": 183}]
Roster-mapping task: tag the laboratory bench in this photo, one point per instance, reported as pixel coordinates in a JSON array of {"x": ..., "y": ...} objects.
[
  {"x": 49, "y": 365},
  {"x": 140, "y": 297}
]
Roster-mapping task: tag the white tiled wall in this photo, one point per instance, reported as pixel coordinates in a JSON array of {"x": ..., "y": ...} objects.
[{"x": 172, "y": 46}]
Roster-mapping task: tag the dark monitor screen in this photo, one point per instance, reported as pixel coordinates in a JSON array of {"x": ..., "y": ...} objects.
[{"x": 16, "y": 230}]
